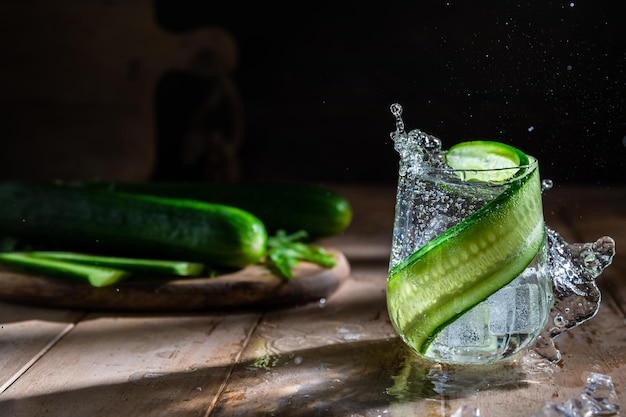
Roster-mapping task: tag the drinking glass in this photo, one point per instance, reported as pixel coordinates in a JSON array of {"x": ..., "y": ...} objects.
[{"x": 431, "y": 199}]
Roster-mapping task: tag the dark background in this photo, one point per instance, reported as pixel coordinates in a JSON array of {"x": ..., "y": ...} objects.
[{"x": 317, "y": 81}]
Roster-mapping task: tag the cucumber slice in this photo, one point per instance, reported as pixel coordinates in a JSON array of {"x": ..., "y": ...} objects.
[
  {"x": 170, "y": 267},
  {"x": 486, "y": 161},
  {"x": 97, "y": 276},
  {"x": 472, "y": 260}
]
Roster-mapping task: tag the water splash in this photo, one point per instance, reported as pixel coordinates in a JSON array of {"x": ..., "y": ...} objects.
[
  {"x": 574, "y": 269},
  {"x": 396, "y": 110},
  {"x": 415, "y": 148}
]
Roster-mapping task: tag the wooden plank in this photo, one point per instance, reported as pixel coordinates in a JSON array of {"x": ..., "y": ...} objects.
[
  {"x": 338, "y": 358},
  {"x": 133, "y": 365},
  {"x": 26, "y": 334}
]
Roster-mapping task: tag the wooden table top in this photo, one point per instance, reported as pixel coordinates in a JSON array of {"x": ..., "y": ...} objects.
[{"x": 336, "y": 357}]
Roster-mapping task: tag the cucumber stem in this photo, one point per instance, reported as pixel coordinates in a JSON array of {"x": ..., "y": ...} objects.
[{"x": 285, "y": 251}]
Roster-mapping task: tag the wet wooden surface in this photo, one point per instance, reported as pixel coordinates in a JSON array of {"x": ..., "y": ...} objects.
[{"x": 334, "y": 357}]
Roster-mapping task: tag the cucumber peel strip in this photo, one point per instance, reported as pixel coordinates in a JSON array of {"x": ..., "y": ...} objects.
[
  {"x": 97, "y": 276},
  {"x": 470, "y": 261},
  {"x": 169, "y": 267}
]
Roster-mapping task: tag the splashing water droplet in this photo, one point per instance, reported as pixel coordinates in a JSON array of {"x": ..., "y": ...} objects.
[
  {"x": 546, "y": 184},
  {"x": 396, "y": 110}
]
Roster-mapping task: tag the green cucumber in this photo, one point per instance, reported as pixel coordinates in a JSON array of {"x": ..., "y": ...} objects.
[
  {"x": 97, "y": 276},
  {"x": 290, "y": 207},
  {"x": 482, "y": 254},
  {"x": 55, "y": 217},
  {"x": 141, "y": 265}
]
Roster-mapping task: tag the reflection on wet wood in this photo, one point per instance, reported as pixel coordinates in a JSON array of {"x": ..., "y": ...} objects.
[{"x": 337, "y": 356}]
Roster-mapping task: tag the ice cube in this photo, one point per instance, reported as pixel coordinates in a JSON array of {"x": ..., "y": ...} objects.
[
  {"x": 600, "y": 394},
  {"x": 471, "y": 329},
  {"x": 514, "y": 309},
  {"x": 598, "y": 398}
]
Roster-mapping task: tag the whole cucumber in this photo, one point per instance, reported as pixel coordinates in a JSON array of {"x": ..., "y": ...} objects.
[
  {"x": 280, "y": 206},
  {"x": 85, "y": 219}
]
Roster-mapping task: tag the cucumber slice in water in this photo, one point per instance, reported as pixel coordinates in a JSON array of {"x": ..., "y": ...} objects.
[
  {"x": 472, "y": 260},
  {"x": 486, "y": 161}
]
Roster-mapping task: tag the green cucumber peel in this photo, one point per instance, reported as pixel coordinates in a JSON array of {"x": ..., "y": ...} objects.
[
  {"x": 97, "y": 276},
  {"x": 141, "y": 265}
]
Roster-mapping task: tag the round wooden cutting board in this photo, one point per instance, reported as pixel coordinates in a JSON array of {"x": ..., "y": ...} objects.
[{"x": 252, "y": 287}]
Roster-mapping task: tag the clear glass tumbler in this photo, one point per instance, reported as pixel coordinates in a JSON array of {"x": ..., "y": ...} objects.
[{"x": 470, "y": 324}]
